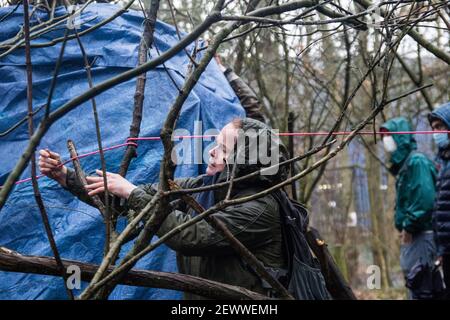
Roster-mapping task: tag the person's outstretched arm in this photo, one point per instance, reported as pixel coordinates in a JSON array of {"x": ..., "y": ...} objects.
[
  {"x": 246, "y": 95},
  {"x": 254, "y": 223},
  {"x": 50, "y": 165}
]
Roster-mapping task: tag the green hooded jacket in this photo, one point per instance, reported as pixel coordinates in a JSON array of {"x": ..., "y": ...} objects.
[{"x": 415, "y": 180}]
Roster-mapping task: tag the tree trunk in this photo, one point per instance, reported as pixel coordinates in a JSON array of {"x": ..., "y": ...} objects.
[
  {"x": 376, "y": 213},
  {"x": 336, "y": 284}
]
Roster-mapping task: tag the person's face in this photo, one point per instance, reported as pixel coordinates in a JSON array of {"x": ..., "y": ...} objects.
[
  {"x": 438, "y": 125},
  {"x": 388, "y": 142},
  {"x": 224, "y": 147},
  {"x": 384, "y": 133}
]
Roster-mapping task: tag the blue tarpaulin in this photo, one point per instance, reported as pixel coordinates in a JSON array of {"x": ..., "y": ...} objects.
[{"x": 111, "y": 49}]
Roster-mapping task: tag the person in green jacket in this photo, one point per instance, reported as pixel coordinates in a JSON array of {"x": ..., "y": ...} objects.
[
  {"x": 202, "y": 251},
  {"x": 415, "y": 184}
]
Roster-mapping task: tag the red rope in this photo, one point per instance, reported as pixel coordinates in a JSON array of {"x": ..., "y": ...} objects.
[
  {"x": 300, "y": 134},
  {"x": 131, "y": 141},
  {"x": 343, "y": 133}
]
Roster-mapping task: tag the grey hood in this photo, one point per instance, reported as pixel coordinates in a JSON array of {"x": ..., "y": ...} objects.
[{"x": 257, "y": 147}]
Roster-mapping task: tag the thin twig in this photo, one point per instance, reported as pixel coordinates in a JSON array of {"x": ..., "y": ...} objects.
[
  {"x": 144, "y": 46},
  {"x": 50, "y": 94},
  {"x": 82, "y": 177},
  {"x": 107, "y": 206},
  {"x": 37, "y": 194}
]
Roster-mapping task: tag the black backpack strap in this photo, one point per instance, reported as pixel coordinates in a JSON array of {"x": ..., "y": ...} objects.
[
  {"x": 305, "y": 280},
  {"x": 282, "y": 275},
  {"x": 284, "y": 219},
  {"x": 294, "y": 220}
]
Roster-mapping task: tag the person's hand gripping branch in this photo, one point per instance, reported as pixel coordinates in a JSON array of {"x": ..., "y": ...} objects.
[
  {"x": 117, "y": 185},
  {"x": 50, "y": 165}
]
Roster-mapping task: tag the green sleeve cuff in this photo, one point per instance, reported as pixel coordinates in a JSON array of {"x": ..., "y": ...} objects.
[{"x": 138, "y": 199}]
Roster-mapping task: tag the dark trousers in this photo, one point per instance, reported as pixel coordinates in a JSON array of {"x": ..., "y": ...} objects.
[{"x": 446, "y": 269}]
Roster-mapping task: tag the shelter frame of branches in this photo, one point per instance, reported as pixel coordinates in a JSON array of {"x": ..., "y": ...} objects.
[{"x": 397, "y": 19}]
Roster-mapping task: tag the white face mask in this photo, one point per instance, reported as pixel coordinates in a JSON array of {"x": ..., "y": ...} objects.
[{"x": 389, "y": 144}]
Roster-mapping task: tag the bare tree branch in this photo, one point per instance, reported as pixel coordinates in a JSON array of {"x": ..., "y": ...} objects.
[
  {"x": 37, "y": 193},
  {"x": 13, "y": 262}
]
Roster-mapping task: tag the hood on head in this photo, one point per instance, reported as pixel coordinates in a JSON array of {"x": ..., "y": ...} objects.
[
  {"x": 405, "y": 142},
  {"x": 257, "y": 138},
  {"x": 442, "y": 113}
]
